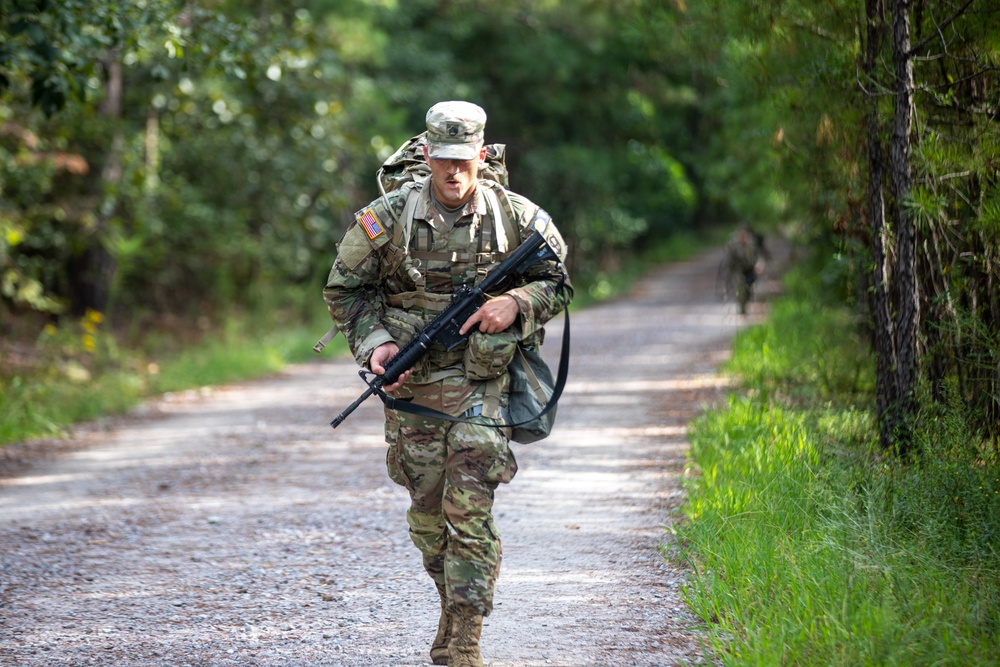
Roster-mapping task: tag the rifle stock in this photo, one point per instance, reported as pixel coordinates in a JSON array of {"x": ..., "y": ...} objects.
[{"x": 444, "y": 328}]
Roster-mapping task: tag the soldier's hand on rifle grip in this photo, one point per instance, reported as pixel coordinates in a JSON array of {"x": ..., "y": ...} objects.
[
  {"x": 494, "y": 316},
  {"x": 382, "y": 354}
]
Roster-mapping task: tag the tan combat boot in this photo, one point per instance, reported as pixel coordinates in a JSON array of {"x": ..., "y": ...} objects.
[
  {"x": 439, "y": 647},
  {"x": 463, "y": 651}
]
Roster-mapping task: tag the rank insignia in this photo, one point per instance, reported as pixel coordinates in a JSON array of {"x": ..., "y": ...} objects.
[{"x": 371, "y": 224}]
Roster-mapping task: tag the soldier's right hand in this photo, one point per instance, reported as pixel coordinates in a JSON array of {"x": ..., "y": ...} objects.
[{"x": 381, "y": 356}]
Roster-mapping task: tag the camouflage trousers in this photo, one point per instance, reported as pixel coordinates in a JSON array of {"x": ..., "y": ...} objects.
[{"x": 451, "y": 471}]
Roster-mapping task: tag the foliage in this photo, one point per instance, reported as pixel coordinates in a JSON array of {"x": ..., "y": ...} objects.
[
  {"x": 229, "y": 137},
  {"x": 767, "y": 356},
  {"x": 583, "y": 108},
  {"x": 950, "y": 495},
  {"x": 164, "y": 162},
  {"x": 54, "y": 57},
  {"x": 794, "y": 117},
  {"x": 52, "y": 47}
]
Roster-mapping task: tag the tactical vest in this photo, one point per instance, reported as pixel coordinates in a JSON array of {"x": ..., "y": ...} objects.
[{"x": 410, "y": 246}]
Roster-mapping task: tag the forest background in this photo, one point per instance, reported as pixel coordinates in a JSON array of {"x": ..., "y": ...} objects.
[
  {"x": 175, "y": 175},
  {"x": 166, "y": 165}
]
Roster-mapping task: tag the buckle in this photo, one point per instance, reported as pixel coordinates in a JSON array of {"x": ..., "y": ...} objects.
[{"x": 474, "y": 411}]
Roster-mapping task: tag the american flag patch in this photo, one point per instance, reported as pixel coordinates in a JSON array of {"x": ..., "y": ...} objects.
[{"x": 371, "y": 224}]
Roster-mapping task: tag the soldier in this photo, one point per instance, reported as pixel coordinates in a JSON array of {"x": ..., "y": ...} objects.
[
  {"x": 396, "y": 268},
  {"x": 745, "y": 253}
]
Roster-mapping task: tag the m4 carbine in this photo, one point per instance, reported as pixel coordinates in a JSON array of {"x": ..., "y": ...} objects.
[{"x": 444, "y": 328}]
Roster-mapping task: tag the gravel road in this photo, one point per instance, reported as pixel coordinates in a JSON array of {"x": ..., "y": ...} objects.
[{"x": 233, "y": 527}]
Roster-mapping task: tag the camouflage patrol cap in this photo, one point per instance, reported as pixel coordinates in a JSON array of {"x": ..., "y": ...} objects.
[{"x": 455, "y": 130}]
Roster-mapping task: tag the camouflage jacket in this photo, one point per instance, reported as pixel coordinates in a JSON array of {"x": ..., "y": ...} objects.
[{"x": 377, "y": 293}]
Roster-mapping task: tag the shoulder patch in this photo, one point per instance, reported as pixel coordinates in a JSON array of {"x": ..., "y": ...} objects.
[
  {"x": 374, "y": 223},
  {"x": 542, "y": 223},
  {"x": 364, "y": 237},
  {"x": 371, "y": 224}
]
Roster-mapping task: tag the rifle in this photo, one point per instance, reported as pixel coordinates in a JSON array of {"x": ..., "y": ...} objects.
[{"x": 444, "y": 328}]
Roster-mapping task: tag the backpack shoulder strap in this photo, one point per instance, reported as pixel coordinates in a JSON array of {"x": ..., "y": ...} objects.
[
  {"x": 501, "y": 211},
  {"x": 401, "y": 208},
  {"x": 404, "y": 226}
]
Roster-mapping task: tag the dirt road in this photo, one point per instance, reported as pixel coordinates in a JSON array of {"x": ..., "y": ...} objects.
[{"x": 233, "y": 527}]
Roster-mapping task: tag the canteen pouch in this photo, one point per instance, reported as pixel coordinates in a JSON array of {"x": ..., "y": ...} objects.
[
  {"x": 531, "y": 387},
  {"x": 488, "y": 355}
]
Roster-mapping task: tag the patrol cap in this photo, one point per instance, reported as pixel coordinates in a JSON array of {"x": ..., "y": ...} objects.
[{"x": 455, "y": 130}]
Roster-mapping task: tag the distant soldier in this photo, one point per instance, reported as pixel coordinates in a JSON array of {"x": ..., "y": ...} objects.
[
  {"x": 397, "y": 267},
  {"x": 745, "y": 255}
]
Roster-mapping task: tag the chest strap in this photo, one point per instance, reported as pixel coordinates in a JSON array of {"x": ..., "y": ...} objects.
[
  {"x": 427, "y": 300},
  {"x": 458, "y": 257}
]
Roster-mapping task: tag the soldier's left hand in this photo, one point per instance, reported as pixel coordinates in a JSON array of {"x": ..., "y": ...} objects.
[{"x": 494, "y": 316}]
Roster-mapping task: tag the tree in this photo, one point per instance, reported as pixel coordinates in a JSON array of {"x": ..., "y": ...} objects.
[
  {"x": 928, "y": 275},
  {"x": 900, "y": 151},
  {"x": 208, "y": 147},
  {"x": 879, "y": 233}
]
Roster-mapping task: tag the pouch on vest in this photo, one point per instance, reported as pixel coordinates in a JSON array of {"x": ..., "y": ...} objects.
[{"x": 487, "y": 355}]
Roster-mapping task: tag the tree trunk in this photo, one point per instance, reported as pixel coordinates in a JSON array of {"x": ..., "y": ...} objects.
[
  {"x": 92, "y": 269},
  {"x": 885, "y": 352},
  {"x": 906, "y": 237}
]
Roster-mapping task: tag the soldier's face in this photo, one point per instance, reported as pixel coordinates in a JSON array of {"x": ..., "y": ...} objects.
[{"x": 454, "y": 180}]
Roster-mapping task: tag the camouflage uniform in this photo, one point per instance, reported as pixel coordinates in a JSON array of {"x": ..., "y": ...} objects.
[
  {"x": 376, "y": 293},
  {"x": 743, "y": 251}
]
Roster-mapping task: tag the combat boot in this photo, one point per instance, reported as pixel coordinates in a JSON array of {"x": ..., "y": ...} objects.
[
  {"x": 439, "y": 647},
  {"x": 463, "y": 651}
]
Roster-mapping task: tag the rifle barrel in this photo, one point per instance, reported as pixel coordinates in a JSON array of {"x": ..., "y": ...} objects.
[{"x": 339, "y": 419}]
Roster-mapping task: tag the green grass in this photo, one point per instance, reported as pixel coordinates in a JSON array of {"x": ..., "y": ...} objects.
[{"x": 810, "y": 548}]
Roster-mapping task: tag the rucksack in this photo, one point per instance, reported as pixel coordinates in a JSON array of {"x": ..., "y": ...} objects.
[{"x": 407, "y": 165}]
